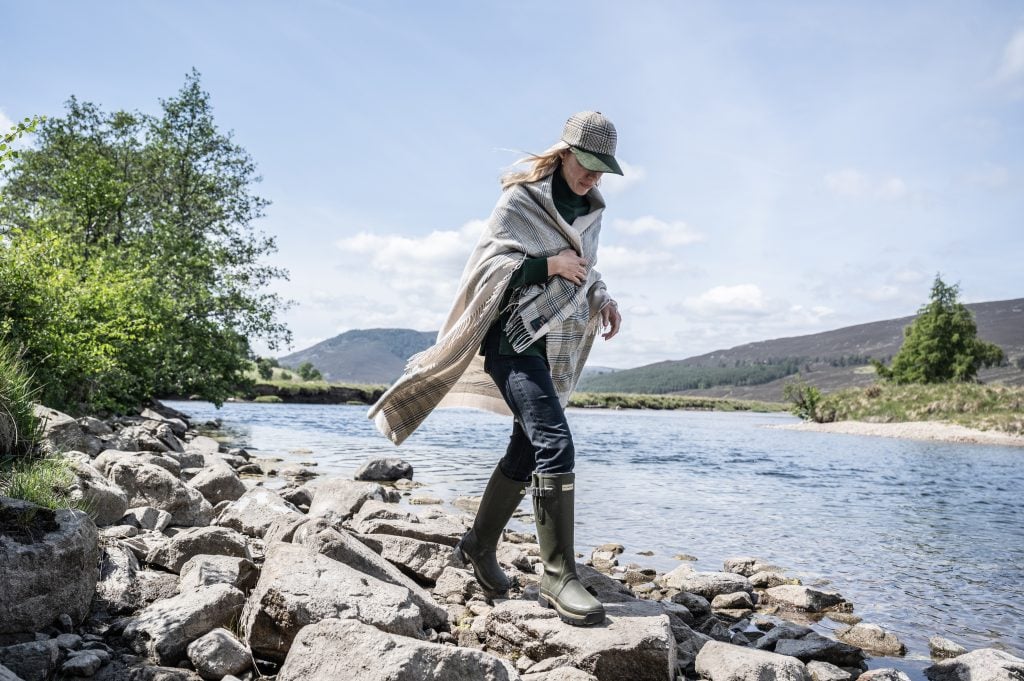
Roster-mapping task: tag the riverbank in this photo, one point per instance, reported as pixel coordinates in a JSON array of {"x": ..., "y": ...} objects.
[{"x": 937, "y": 431}]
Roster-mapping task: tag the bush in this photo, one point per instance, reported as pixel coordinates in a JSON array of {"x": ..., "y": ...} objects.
[
  {"x": 264, "y": 368},
  {"x": 308, "y": 372},
  {"x": 805, "y": 399},
  {"x": 19, "y": 427}
]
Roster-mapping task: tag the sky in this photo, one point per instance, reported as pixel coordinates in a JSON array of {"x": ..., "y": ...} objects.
[{"x": 791, "y": 167}]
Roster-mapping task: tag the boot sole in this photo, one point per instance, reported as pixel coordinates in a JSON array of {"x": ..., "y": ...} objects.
[
  {"x": 573, "y": 619},
  {"x": 467, "y": 560}
]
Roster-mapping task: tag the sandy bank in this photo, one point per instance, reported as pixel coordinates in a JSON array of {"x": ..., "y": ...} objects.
[{"x": 913, "y": 430}]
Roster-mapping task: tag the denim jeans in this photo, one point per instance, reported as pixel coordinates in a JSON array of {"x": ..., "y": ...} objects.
[{"x": 541, "y": 441}]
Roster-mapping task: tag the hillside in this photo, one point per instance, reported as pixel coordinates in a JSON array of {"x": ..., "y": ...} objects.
[
  {"x": 830, "y": 360},
  {"x": 363, "y": 355}
]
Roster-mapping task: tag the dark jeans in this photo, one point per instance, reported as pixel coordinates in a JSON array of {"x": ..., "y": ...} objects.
[{"x": 541, "y": 441}]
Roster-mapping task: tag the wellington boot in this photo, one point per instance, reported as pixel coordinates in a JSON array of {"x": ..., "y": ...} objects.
[
  {"x": 477, "y": 546},
  {"x": 560, "y": 587}
]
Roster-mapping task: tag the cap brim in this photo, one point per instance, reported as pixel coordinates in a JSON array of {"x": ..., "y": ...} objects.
[{"x": 599, "y": 163}]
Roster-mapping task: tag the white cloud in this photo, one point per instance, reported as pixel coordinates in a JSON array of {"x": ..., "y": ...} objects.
[
  {"x": 851, "y": 183},
  {"x": 675, "y": 233},
  {"x": 743, "y": 299},
  {"x": 1012, "y": 65},
  {"x": 617, "y": 184},
  {"x": 991, "y": 176},
  {"x": 629, "y": 261}
]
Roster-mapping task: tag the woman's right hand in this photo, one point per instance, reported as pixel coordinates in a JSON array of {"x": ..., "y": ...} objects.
[{"x": 568, "y": 266}]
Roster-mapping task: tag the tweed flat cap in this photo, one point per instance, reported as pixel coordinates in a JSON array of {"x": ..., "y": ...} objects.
[{"x": 592, "y": 138}]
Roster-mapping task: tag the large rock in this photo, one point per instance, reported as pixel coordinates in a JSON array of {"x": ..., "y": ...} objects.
[
  {"x": 147, "y": 518},
  {"x": 7, "y": 675},
  {"x": 635, "y": 642},
  {"x": 298, "y": 587},
  {"x": 386, "y": 469},
  {"x": 336, "y": 649},
  {"x": 203, "y": 445},
  {"x": 805, "y": 599},
  {"x": 217, "y": 654},
  {"x": 705, "y": 584},
  {"x": 219, "y": 483},
  {"x": 338, "y": 500},
  {"x": 105, "y": 502},
  {"x": 318, "y": 535},
  {"x": 34, "y": 661},
  {"x": 445, "y": 530},
  {"x": 719, "y": 661},
  {"x": 815, "y": 647},
  {"x": 117, "y": 590},
  {"x": 942, "y": 648},
  {"x": 205, "y": 570},
  {"x": 49, "y": 565},
  {"x": 61, "y": 433},
  {"x": 164, "y": 629},
  {"x": 217, "y": 541},
  {"x": 872, "y": 638},
  {"x": 255, "y": 511},
  {"x": 107, "y": 459},
  {"x": 149, "y": 485},
  {"x": 424, "y": 561},
  {"x": 137, "y": 439},
  {"x": 986, "y": 664}
]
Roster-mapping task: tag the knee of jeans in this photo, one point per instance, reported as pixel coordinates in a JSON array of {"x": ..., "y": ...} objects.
[
  {"x": 559, "y": 459},
  {"x": 512, "y": 471}
]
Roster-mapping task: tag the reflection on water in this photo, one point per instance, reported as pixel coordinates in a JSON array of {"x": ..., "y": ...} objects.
[{"x": 925, "y": 538}]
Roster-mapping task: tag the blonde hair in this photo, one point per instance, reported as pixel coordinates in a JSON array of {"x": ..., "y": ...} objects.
[{"x": 544, "y": 164}]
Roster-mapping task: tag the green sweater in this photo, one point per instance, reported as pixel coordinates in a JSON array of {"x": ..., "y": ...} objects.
[{"x": 535, "y": 270}]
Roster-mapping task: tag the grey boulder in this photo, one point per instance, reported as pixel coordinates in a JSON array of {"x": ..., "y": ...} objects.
[
  {"x": 149, "y": 485},
  {"x": 195, "y": 541},
  {"x": 61, "y": 433},
  {"x": 705, "y": 584},
  {"x": 805, "y": 599},
  {"x": 255, "y": 511},
  {"x": 53, "y": 574},
  {"x": 34, "y": 661},
  {"x": 218, "y": 654},
  {"x": 219, "y": 483},
  {"x": 164, "y": 629},
  {"x": 335, "y": 649},
  {"x": 386, "y": 469},
  {"x": 719, "y": 661},
  {"x": 872, "y": 638},
  {"x": 338, "y": 500},
  {"x": 986, "y": 664},
  {"x": 105, "y": 502},
  {"x": 205, "y": 570},
  {"x": 424, "y": 561}
]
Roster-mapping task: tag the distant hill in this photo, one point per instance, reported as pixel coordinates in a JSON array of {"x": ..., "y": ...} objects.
[
  {"x": 829, "y": 360},
  {"x": 363, "y": 355}
]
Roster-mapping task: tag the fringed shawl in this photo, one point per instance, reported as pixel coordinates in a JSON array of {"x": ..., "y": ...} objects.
[{"x": 524, "y": 224}]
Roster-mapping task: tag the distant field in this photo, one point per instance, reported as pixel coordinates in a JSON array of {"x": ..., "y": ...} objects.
[{"x": 640, "y": 401}]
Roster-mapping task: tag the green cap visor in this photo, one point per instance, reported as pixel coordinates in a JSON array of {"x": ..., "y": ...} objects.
[{"x": 600, "y": 163}]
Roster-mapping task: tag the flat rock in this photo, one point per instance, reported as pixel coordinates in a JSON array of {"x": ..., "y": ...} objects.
[
  {"x": 943, "y": 649},
  {"x": 149, "y": 485},
  {"x": 705, "y": 584},
  {"x": 385, "y": 469},
  {"x": 255, "y": 511},
  {"x": 204, "y": 570},
  {"x": 338, "y": 500},
  {"x": 766, "y": 579},
  {"x": 298, "y": 587},
  {"x": 632, "y": 643},
  {"x": 805, "y": 599},
  {"x": 203, "y": 445},
  {"x": 424, "y": 561},
  {"x": 336, "y": 649},
  {"x": 825, "y": 671},
  {"x": 164, "y": 629},
  {"x": 444, "y": 530},
  {"x": 985, "y": 664},
  {"x": 873, "y": 639},
  {"x": 213, "y": 540},
  {"x": 814, "y": 647},
  {"x": 719, "y": 661},
  {"x": 32, "y": 598}
]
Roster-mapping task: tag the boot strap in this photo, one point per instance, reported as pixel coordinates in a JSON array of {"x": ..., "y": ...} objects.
[{"x": 542, "y": 491}]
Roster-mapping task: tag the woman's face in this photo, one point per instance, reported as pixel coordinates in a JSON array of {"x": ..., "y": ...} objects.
[{"x": 579, "y": 179}]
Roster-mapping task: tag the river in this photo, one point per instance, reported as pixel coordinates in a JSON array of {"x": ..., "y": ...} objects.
[{"x": 924, "y": 538}]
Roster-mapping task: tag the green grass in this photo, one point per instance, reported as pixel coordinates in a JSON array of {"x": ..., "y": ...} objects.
[
  {"x": 981, "y": 406},
  {"x": 642, "y": 401},
  {"x": 268, "y": 399},
  {"x": 295, "y": 383},
  {"x": 19, "y": 427},
  {"x": 42, "y": 481}
]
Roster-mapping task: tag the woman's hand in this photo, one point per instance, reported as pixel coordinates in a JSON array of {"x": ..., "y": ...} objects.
[
  {"x": 610, "y": 317},
  {"x": 568, "y": 266}
]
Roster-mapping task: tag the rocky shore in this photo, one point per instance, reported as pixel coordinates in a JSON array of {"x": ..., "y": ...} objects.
[
  {"x": 189, "y": 566},
  {"x": 912, "y": 430}
]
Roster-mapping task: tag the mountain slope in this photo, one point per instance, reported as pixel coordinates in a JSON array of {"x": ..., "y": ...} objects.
[
  {"x": 363, "y": 355},
  {"x": 830, "y": 360}
]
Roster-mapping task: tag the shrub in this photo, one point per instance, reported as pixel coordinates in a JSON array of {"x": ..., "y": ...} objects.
[
  {"x": 19, "y": 427},
  {"x": 805, "y": 399}
]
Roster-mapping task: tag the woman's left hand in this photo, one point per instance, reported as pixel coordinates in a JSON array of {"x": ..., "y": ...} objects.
[{"x": 610, "y": 317}]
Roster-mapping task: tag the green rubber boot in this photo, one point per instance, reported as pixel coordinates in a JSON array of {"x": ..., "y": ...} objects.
[
  {"x": 554, "y": 500},
  {"x": 477, "y": 546}
]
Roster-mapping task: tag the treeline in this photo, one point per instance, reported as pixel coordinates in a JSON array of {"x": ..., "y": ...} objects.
[
  {"x": 130, "y": 266},
  {"x": 666, "y": 377}
]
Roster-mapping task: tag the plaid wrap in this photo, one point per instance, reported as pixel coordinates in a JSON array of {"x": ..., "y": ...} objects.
[{"x": 524, "y": 224}]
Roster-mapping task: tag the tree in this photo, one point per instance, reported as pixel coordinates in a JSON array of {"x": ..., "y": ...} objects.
[
  {"x": 264, "y": 368},
  {"x": 7, "y": 139},
  {"x": 942, "y": 343},
  {"x": 153, "y": 214},
  {"x": 308, "y": 372}
]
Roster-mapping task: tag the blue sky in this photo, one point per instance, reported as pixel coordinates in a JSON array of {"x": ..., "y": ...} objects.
[{"x": 791, "y": 167}]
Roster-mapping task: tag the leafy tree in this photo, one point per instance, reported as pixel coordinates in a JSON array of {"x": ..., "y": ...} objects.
[
  {"x": 264, "y": 368},
  {"x": 308, "y": 372},
  {"x": 7, "y": 139},
  {"x": 152, "y": 216},
  {"x": 942, "y": 343},
  {"x": 805, "y": 398}
]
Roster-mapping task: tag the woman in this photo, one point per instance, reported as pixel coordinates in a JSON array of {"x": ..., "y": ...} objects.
[{"x": 529, "y": 305}]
